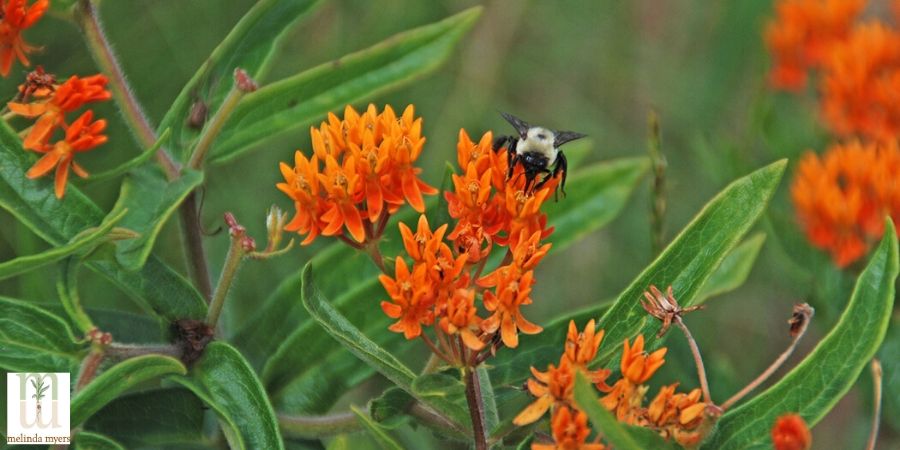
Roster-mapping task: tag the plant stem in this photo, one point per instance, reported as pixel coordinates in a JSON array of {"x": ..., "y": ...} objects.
[
  {"x": 374, "y": 253},
  {"x": 698, "y": 360},
  {"x": 658, "y": 199},
  {"x": 232, "y": 262},
  {"x": 89, "y": 367},
  {"x": 214, "y": 127},
  {"x": 773, "y": 367},
  {"x": 476, "y": 408},
  {"x": 103, "y": 54},
  {"x": 311, "y": 427},
  {"x": 876, "y": 414},
  {"x": 125, "y": 351}
]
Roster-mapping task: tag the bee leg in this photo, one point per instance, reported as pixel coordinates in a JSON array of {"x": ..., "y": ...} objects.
[
  {"x": 513, "y": 160},
  {"x": 562, "y": 166}
]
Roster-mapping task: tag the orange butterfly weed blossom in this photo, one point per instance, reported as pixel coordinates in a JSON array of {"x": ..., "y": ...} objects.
[{"x": 17, "y": 17}]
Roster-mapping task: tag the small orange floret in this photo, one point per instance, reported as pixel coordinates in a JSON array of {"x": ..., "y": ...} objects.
[
  {"x": 460, "y": 317},
  {"x": 570, "y": 431},
  {"x": 555, "y": 386},
  {"x": 81, "y": 136},
  {"x": 17, "y": 17},
  {"x": 368, "y": 173},
  {"x": 411, "y": 300},
  {"x": 842, "y": 197},
  {"x": 512, "y": 290},
  {"x": 637, "y": 365},
  {"x": 791, "y": 433},
  {"x": 802, "y": 35},
  {"x": 677, "y": 415}
]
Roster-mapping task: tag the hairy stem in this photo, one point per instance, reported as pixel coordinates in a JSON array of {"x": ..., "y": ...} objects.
[
  {"x": 876, "y": 413},
  {"x": 698, "y": 360},
  {"x": 89, "y": 367},
  {"x": 214, "y": 127},
  {"x": 125, "y": 351},
  {"x": 312, "y": 427},
  {"x": 476, "y": 408},
  {"x": 232, "y": 262},
  {"x": 192, "y": 239},
  {"x": 658, "y": 199}
]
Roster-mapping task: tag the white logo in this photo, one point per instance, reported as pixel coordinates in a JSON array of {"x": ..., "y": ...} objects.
[{"x": 37, "y": 410}]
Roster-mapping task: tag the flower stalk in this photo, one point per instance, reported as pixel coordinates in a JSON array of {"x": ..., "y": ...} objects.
[
  {"x": 476, "y": 408},
  {"x": 241, "y": 245},
  {"x": 242, "y": 85},
  {"x": 876, "y": 413}
]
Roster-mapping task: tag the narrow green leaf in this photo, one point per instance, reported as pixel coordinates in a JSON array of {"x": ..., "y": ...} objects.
[
  {"x": 133, "y": 163},
  {"x": 82, "y": 242},
  {"x": 150, "y": 199},
  {"x": 734, "y": 269},
  {"x": 85, "y": 440},
  {"x": 382, "y": 438},
  {"x": 118, "y": 379},
  {"x": 491, "y": 415},
  {"x": 32, "y": 339},
  {"x": 223, "y": 379},
  {"x": 295, "y": 102},
  {"x": 151, "y": 418},
  {"x": 371, "y": 353},
  {"x": 156, "y": 287},
  {"x": 693, "y": 255},
  {"x": 617, "y": 434},
  {"x": 813, "y": 387},
  {"x": 250, "y": 45}
]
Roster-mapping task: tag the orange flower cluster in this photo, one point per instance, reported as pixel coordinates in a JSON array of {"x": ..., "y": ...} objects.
[
  {"x": 17, "y": 16},
  {"x": 672, "y": 415},
  {"x": 802, "y": 34},
  {"x": 843, "y": 197},
  {"x": 50, "y": 104},
  {"x": 361, "y": 170},
  {"x": 791, "y": 433},
  {"x": 489, "y": 206}
]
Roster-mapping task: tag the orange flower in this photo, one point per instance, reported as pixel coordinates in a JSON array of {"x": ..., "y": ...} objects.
[
  {"x": 551, "y": 387},
  {"x": 67, "y": 97},
  {"x": 802, "y": 35},
  {"x": 412, "y": 299},
  {"x": 81, "y": 136},
  {"x": 461, "y": 318},
  {"x": 581, "y": 348},
  {"x": 842, "y": 198},
  {"x": 17, "y": 17},
  {"x": 302, "y": 186},
  {"x": 424, "y": 241},
  {"x": 627, "y": 394},
  {"x": 369, "y": 173},
  {"x": 791, "y": 433},
  {"x": 860, "y": 81},
  {"x": 637, "y": 366},
  {"x": 570, "y": 431},
  {"x": 513, "y": 289},
  {"x": 677, "y": 415}
]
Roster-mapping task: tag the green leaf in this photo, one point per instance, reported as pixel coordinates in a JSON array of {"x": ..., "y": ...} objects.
[
  {"x": 82, "y": 241},
  {"x": 85, "y": 440},
  {"x": 151, "y": 418},
  {"x": 371, "y": 353},
  {"x": 250, "y": 45},
  {"x": 890, "y": 364},
  {"x": 118, "y": 379},
  {"x": 389, "y": 409},
  {"x": 734, "y": 269},
  {"x": 815, "y": 385},
  {"x": 133, "y": 163},
  {"x": 293, "y": 103},
  {"x": 67, "y": 288},
  {"x": 150, "y": 199},
  {"x": 617, "y": 434},
  {"x": 33, "y": 340},
  {"x": 156, "y": 287},
  {"x": 382, "y": 438},
  {"x": 692, "y": 256},
  {"x": 223, "y": 379}
]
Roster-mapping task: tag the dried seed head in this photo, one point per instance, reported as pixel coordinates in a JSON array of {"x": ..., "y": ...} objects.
[{"x": 800, "y": 318}]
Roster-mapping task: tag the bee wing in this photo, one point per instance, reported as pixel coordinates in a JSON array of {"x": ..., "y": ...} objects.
[
  {"x": 562, "y": 137},
  {"x": 520, "y": 125}
]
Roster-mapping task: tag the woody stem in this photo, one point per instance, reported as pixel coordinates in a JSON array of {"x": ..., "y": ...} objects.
[
  {"x": 876, "y": 414},
  {"x": 101, "y": 49},
  {"x": 769, "y": 371},
  {"x": 698, "y": 360},
  {"x": 476, "y": 408}
]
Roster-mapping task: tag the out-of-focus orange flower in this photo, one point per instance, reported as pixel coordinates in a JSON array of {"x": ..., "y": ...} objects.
[
  {"x": 677, "y": 415},
  {"x": 67, "y": 97},
  {"x": 802, "y": 34},
  {"x": 842, "y": 197},
  {"x": 791, "y": 433},
  {"x": 411, "y": 299},
  {"x": 860, "y": 82},
  {"x": 82, "y": 135},
  {"x": 461, "y": 318},
  {"x": 17, "y": 17},
  {"x": 369, "y": 173},
  {"x": 570, "y": 431},
  {"x": 551, "y": 387}
]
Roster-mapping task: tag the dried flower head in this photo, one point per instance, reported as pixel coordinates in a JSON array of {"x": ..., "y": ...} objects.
[
  {"x": 842, "y": 197},
  {"x": 664, "y": 307},
  {"x": 791, "y": 433}
]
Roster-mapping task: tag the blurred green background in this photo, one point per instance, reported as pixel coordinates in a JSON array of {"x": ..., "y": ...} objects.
[{"x": 596, "y": 67}]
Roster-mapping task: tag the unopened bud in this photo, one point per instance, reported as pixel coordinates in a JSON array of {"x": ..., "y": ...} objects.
[
  {"x": 275, "y": 221},
  {"x": 243, "y": 81}
]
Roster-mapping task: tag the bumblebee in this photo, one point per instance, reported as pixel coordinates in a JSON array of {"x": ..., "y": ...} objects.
[{"x": 537, "y": 150}]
